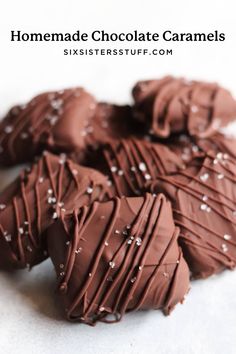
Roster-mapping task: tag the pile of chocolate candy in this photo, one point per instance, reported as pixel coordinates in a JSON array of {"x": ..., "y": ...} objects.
[{"x": 127, "y": 201}]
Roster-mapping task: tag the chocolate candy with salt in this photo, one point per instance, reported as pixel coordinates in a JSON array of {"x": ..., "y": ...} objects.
[
  {"x": 52, "y": 186},
  {"x": 130, "y": 163},
  {"x": 203, "y": 197},
  {"x": 56, "y": 121},
  {"x": 172, "y": 105},
  {"x": 117, "y": 257}
]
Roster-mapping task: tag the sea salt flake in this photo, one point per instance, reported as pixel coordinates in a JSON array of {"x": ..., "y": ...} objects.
[
  {"x": 227, "y": 237},
  {"x": 138, "y": 241},
  {"x": 53, "y": 120},
  {"x": 142, "y": 166},
  {"x": 89, "y": 190},
  {"x": 147, "y": 177},
  {"x": 52, "y": 200},
  {"x": 113, "y": 169},
  {"x": 8, "y": 129},
  {"x": 112, "y": 264},
  {"x": 195, "y": 148},
  {"x": 133, "y": 280},
  {"x": 57, "y": 103},
  {"x": 204, "y": 177},
  {"x": 220, "y": 176},
  {"x": 120, "y": 173},
  {"x": 79, "y": 250},
  {"x": 224, "y": 247},
  {"x": 8, "y": 238},
  {"x": 219, "y": 155},
  {"x": 75, "y": 172}
]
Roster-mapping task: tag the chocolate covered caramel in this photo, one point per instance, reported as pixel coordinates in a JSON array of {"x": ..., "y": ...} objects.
[
  {"x": 172, "y": 105},
  {"x": 53, "y": 186},
  {"x": 203, "y": 197},
  {"x": 117, "y": 257},
  {"x": 130, "y": 163},
  {"x": 56, "y": 121}
]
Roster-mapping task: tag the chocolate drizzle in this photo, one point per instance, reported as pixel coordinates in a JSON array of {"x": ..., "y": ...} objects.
[
  {"x": 130, "y": 163},
  {"x": 52, "y": 187},
  {"x": 173, "y": 105},
  {"x": 116, "y": 257},
  {"x": 203, "y": 199}
]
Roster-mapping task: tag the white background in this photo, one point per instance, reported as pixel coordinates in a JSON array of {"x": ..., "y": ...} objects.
[{"x": 30, "y": 321}]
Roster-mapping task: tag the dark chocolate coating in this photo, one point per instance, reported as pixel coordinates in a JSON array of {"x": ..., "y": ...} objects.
[
  {"x": 118, "y": 256},
  {"x": 56, "y": 121},
  {"x": 53, "y": 186},
  {"x": 172, "y": 105},
  {"x": 130, "y": 163},
  {"x": 203, "y": 197}
]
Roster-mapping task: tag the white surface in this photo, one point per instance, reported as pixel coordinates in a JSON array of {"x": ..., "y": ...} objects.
[{"x": 30, "y": 322}]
